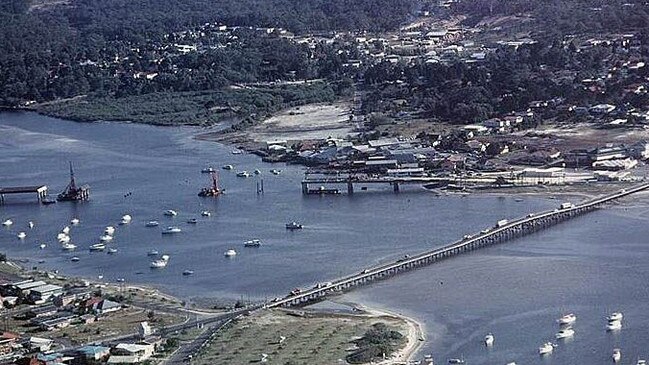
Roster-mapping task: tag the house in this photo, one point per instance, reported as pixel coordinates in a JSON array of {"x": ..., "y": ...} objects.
[
  {"x": 7, "y": 343},
  {"x": 21, "y": 287},
  {"x": 615, "y": 165},
  {"x": 95, "y": 353},
  {"x": 106, "y": 306},
  {"x": 607, "y": 153},
  {"x": 39, "y": 344},
  {"x": 130, "y": 353},
  {"x": 44, "y": 292}
]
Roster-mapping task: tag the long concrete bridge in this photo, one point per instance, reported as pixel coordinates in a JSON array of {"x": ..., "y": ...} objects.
[{"x": 503, "y": 231}]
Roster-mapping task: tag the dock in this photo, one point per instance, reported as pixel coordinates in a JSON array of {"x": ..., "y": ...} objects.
[{"x": 39, "y": 190}]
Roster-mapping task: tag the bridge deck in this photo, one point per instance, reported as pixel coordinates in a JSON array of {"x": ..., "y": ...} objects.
[{"x": 23, "y": 189}]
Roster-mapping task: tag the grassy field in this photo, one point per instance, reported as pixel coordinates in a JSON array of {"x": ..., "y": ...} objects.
[{"x": 320, "y": 339}]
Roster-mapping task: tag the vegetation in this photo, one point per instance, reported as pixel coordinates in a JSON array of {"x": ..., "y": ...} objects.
[
  {"x": 197, "y": 108},
  {"x": 378, "y": 341}
]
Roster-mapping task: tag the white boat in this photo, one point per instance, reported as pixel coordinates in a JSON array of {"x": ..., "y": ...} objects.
[
  {"x": 228, "y": 167},
  {"x": 42, "y": 246},
  {"x": 171, "y": 230},
  {"x": 126, "y": 219},
  {"x": 615, "y": 316},
  {"x": 64, "y": 239},
  {"x": 110, "y": 230},
  {"x": 66, "y": 230},
  {"x": 21, "y": 235},
  {"x": 170, "y": 213},
  {"x": 275, "y": 171},
  {"x": 206, "y": 213},
  {"x": 61, "y": 236},
  {"x": 75, "y": 221},
  {"x": 159, "y": 264},
  {"x": 68, "y": 246},
  {"x": 97, "y": 247},
  {"x": 511, "y": 363},
  {"x": 208, "y": 170},
  {"x": 111, "y": 251},
  {"x": 106, "y": 238},
  {"x": 489, "y": 339},
  {"x": 614, "y": 325},
  {"x": 192, "y": 221},
  {"x": 565, "y": 333},
  {"x": 74, "y": 259},
  {"x": 30, "y": 224},
  {"x": 617, "y": 355},
  {"x": 7, "y": 223},
  {"x": 252, "y": 243},
  {"x": 567, "y": 319},
  {"x": 243, "y": 174},
  {"x": 153, "y": 253},
  {"x": 641, "y": 362},
  {"x": 546, "y": 348},
  {"x": 237, "y": 151},
  {"x": 230, "y": 253},
  {"x": 188, "y": 272},
  {"x": 152, "y": 224}
]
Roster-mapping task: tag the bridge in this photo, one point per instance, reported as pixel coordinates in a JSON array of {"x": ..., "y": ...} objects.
[
  {"x": 503, "y": 231},
  {"x": 39, "y": 190}
]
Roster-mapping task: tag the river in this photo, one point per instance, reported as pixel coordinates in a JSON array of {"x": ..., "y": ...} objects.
[{"x": 589, "y": 266}]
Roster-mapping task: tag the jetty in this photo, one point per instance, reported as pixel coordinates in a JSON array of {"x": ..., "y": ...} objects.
[{"x": 39, "y": 190}]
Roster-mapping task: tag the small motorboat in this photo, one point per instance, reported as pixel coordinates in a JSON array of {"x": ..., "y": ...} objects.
[
  {"x": 456, "y": 361},
  {"x": 170, "y": 213},
  {"x": 293, "y": 225},
  {"x": 230, "y": 253},
  {"x": 66, "y": 230},
  {"x": 42, "y": 246},
  {"x": 641, "y": 362},
  {"x": 206, "y": 213},
  {"x": 188, "y": 272},
  {"x": 617, "y": 355},
  {"x": 74, "y": 259},
  {"x": 227, "y": 167},
  {"x": 7, "y": 223},
  {"x": 126, "y": 219},
  {"x": 243, "y": 174},
  {"x": 252, "y": 243},
  {"x": 614, "y": 325},
  {"x": 615, "y": 316},
  {"x": 153, "y": 253},
  {"x": 489, "y": 339},
  {"x": 64, "y": 239},
  {"x": 567, "y": 319},
  {"x": 61, "y": 236},
  {"x": 192, "y": 221},
  {"x": 30, "y": 224},
  {"x": 97, "y": 247},
  {"x": 48, "y": 201},
  {"x": 208, "y": 170},
  {"x": 75, "y": 221},
  {"x": 546, "y": 349},
  {"x": 237, "y": 151},
  {"x": 152, "y": 224},
  {"x": 106, "y": 238},
  {"x": 68, "y": 246},
  {"x": 275, "y": 171},
  {"x": 171, "y": 230},
  {"x": 564, "y": 333},
  {"x": 21, "y": 235},
  {"x": 256, "y": 172},
  {"x": 110, "y": 230},
  {"x": 111, "y": 251}
]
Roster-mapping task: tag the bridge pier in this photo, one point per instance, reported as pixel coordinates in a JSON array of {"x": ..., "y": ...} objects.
[
  {"x": 395, "y": 186},
  {"x": 305, "y": 188},
  {"x": 350, "y": 187}
]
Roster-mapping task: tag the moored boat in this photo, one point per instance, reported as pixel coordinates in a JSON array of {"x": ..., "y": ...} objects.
[
  {"x": 153, "y": 253},
  {"x": 74, "y": 259},
  {"x": 7, "y": 223},
  {"x": 188, "y": 272},
  {"x": 230, "y": 253},
  {"x": 206, "y": 213},
  {"x": 152, "y": 224},
  {"x": 192, "y": 221},
  {"x": 106, "y": 238},
  {"x": 75, "y": 221},
  {"x": 243, "y": 174},
  {"x": 207, "y": 170},
  {"x": 564, "y": 333},
  {"x": 21, "y": 235},
  {"x": 65, "y": 230},
  {"x": 110, "y": 230},
  {"x": 615, "y": 316},
  {"x": 126, "y": 219},
  {"x": 159, "y": 264},
  {"x": 68, "y": 246},
  {"x": 30, "y": 224},
  {"x": 546, "y": 348},
  {"x": 567, "y": 319},
  {"x": 64, "y": 239},
  {"x": 614, "y": 325},
  {"x": 252, "y": 243},
  {"x": 171, "y": 230},
  {"x": 111, "y": 251},
  {"x": 617, "y": 355},
  {"x": 489, "y": 339},
  {"x": 97, "y": 247},
  {"x": 228, "y": 167},
  {"x": 170, "y": 213}
]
